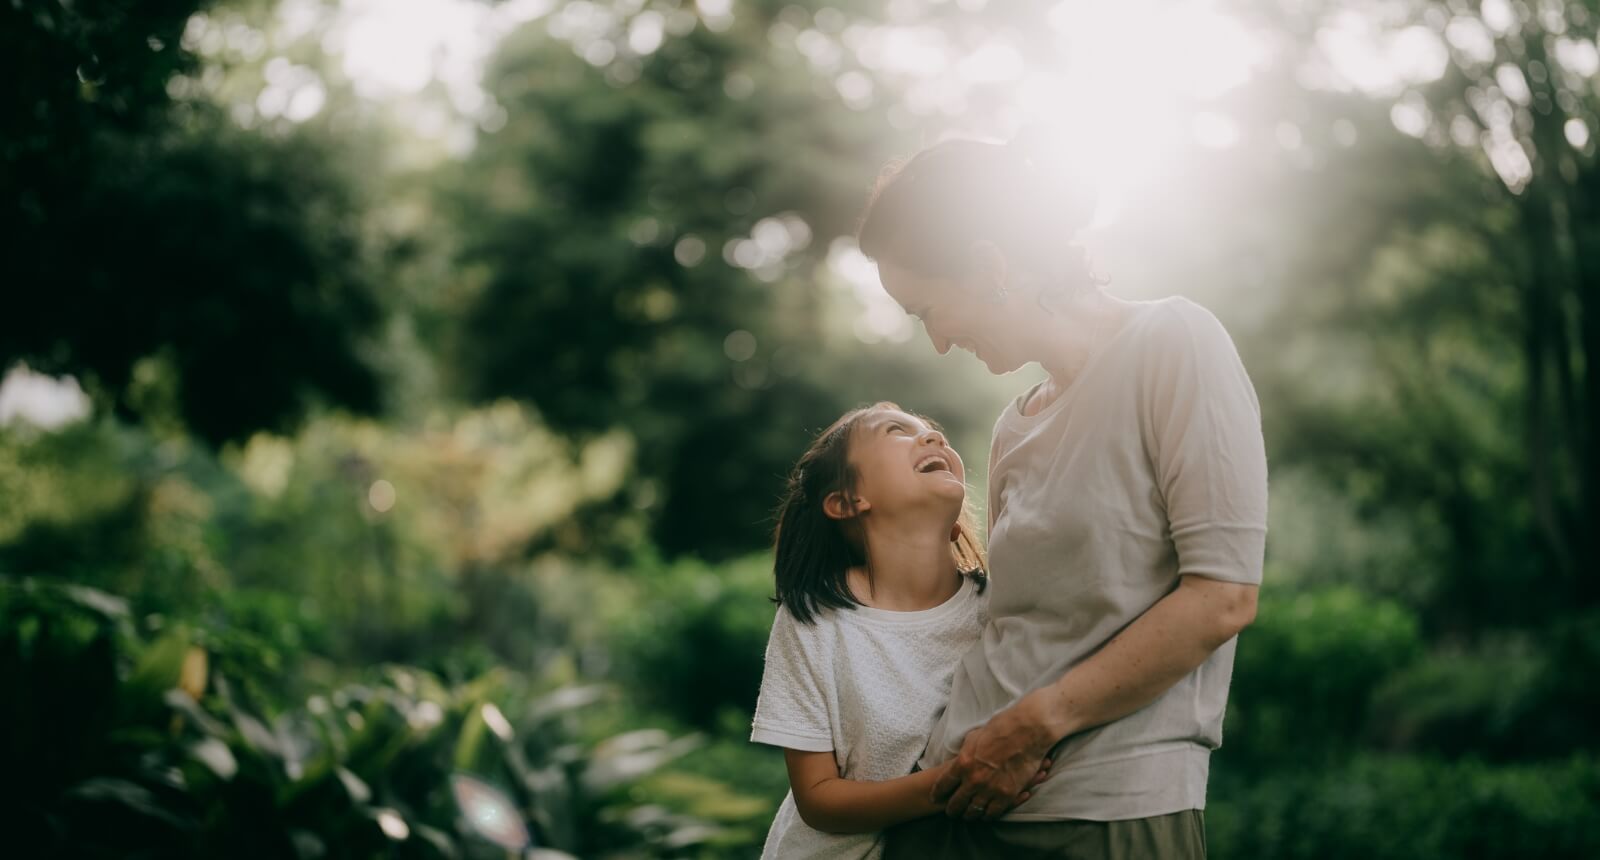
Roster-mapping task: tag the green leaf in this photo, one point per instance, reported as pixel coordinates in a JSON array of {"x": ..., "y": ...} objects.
[
  {"x": 131, "y": 796},
  {"x": 354, "y": 786},
  {"x": 109, "y": 605},
  {"x": 214, "y": 754},
  {"x": 156, "y": 671}
]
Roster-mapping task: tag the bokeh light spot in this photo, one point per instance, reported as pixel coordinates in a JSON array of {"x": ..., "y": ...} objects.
[
  {"x": 739, "y": 345},
  {"x": 381, "y": 495}
]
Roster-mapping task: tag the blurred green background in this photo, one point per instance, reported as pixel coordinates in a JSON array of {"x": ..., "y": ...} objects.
[{"x": 396, "y": 395}]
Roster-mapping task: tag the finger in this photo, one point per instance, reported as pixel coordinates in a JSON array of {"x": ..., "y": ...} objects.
[
  {"x": 957, "y": 805},
  {"x": 985, "y": 804},
  {"x": 948, "y": 782},
  {"x": 999, "y": 806},
  {"x": 1039, "y": 777}
]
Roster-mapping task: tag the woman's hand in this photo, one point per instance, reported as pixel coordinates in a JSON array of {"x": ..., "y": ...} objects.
[{"x": 998, "y": 765}]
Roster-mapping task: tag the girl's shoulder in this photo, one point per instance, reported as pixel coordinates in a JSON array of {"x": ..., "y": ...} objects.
[{"x": 790, "y": 632}]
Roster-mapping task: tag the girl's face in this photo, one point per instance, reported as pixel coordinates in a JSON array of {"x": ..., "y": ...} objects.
[
  {"x": 964, "y": 315},
  {"x": 902, "y": 463}
]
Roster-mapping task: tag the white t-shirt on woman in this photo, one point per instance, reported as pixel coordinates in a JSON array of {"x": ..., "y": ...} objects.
[{"x": 866, "y": 683}]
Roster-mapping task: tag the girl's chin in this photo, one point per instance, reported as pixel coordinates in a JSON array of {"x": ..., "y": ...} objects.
[{"x": 948, "y": 486}]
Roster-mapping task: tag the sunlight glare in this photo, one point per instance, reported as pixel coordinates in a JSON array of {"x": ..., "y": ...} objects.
[
  {"x": 44, "y": 401},
  {"x": 880, "y": 318},
  {"x": 1130, "y": 73},
  {"x": 1365, "y": 56},
  {"x": 394, "y": 46}
]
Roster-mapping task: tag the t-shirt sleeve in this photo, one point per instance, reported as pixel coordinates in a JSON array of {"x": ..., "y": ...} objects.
[
  {"x": 992, "y": 508},
  {"x": 792, "y": 710},
  {"x": 1203, "y": 430}
]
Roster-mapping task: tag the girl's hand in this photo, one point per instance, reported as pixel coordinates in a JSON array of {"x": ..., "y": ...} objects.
[
  {"x": 937, "y": 773},
  {"x": 999, "y": 763},
  {"x": 1041, "y": 776}
]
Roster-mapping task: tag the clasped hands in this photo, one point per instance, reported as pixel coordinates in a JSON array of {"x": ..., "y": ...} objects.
[{"x": 998, "y": 766}]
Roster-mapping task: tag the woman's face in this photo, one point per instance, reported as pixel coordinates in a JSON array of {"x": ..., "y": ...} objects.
[
  {"x": 968, "y": 315},
  {"x": 901, "y": 462}
]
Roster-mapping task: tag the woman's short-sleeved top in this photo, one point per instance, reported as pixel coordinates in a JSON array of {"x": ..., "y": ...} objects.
[{"x": 1148, "y": 467}]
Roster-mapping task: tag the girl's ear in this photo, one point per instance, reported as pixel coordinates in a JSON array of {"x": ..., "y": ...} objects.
[{"x": 838, "y": 506}]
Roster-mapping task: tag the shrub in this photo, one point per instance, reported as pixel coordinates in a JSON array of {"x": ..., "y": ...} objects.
[
  {"x": 1410, "y": 808},
  {"x": 119, "y": 743},
  {"x": 697, "y": 646},
  {"x": 1305, "y": 673}
]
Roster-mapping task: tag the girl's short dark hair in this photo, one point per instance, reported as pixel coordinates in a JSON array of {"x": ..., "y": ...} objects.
[{"x": 813, "y": 553}]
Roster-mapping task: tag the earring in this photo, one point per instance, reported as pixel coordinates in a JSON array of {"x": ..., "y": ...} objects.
[{"x": 1043, "y": 305}]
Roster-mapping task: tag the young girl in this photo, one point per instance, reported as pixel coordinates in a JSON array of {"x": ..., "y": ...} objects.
[{"x": 880, "y": 591}]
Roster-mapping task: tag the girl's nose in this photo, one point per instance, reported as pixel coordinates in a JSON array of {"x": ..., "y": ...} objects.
[{"x": 934, "y": 436}]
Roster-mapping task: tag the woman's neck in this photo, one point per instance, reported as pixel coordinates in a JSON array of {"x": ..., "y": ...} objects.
[
  {"x": 912, "y": 567},
  {"x": 1078, "y": 330}
]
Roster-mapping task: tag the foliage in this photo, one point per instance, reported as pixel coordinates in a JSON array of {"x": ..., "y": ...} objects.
[
  {"x": 129, "y": 744},
  {"x": 629, "y": 263},
  {"x": 1305, "y": 674},
  {"x": 188, "y": 270},
  {"x": 708, "y": 633},
  {"x": 1404, "y": 807},
  {"x": 236, "y": 620},
  {"x": 1453, "y": 263}
]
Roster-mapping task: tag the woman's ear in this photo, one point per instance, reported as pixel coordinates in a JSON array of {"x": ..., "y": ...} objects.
[
  {"x": 839, "y": 506},
  {"x": 988, "y": 267}
]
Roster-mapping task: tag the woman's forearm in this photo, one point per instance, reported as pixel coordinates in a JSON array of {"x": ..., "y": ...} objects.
[
  {"x": 1146, "y": 659},
  {"x": 838, "y": 805}
]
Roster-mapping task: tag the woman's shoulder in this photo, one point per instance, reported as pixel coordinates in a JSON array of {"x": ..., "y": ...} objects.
[
  {"x": 1180, "y": 328},
  {"x": 1175, "y": 314}
]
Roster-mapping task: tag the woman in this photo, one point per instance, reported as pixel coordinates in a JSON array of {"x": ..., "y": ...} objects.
[{"x": 1127, "y": 522}]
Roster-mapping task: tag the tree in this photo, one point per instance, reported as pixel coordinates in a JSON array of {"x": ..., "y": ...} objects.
[
  {"x": 1510, "y": 120},
  {"x": 161, "y": 252},
  {"x": 643, "y": 233}
]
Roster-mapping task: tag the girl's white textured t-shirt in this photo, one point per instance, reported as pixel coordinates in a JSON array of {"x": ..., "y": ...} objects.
[{"x": 869, "y": 685}]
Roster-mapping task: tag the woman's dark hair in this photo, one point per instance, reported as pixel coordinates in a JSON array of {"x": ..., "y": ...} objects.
[
  {"x": 813, "y": 553},
  {"x": 926, "y": 212}
]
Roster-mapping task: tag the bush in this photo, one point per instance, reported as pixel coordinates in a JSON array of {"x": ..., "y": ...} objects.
[
  {"x": 1505, "y": 697},
  {"x": 697, "y": 647},
  {"x": 1305, "y": 674},
  {"x": 119, "y": 743},
  {"x": 1409, "y": 808}
]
